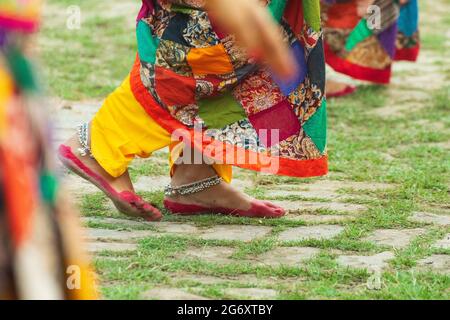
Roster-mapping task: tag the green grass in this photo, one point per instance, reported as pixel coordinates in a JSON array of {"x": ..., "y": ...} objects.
[
  {"x": 404, "y": 151},
  {"x": 148, "y": 168},
  {"x": 89, "y": 62}
]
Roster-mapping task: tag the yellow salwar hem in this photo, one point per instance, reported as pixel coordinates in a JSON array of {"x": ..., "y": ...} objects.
[{"x": 122, "y": 130}]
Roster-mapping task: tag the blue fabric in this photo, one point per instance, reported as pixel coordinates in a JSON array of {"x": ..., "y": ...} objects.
[
  {"x": 408, "y": 23},
  {"x": 287, "y": 87},
  {"x": 172, "y": 33},
  {"x": 315, "y": 59},
  {"x": 387, "y": 39}
]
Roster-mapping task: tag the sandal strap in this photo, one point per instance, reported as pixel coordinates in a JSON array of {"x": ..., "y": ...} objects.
[{"x": 191, "y": 188}]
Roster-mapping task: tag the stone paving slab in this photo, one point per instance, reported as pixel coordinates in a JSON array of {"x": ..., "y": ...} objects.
[
  {"x": 116, "y": 235},
  {"x": 316, "y": 218},
  {"x": 287, "y": 256},
  {"x": 396, "y": 238},
  {"x": 326, "y": 189},
  {"x": 399, "y": 109},
  {"x": 439, "y": 263},
  {"x": 170, "y": 294},
  {"x": 320, "y": 194},
  {"x": 335, "y": 185},
  {"x": 218, "y": 255},
  {"x": 96, "y": 247},
  {"x": 114, "y": 259},
  {"x": 375, "y": 262},
  {"x": 308, "y": 206},
  {"x": 175, "y": 228},
  {"x": 206, "y": 280},
  {"x": 319, "y": 232},
  {"x": 117, "y": 221},
  {"x": 251, "y": 293},
  {"x": 442, "y": 145},
  {"x": 243, "y": 233},
  {"x": 68, "y": 115},
  {"x": 421, "y": 66},
  {"x": 160, "y": 228},
  {"x": 430, "y": 218},
  {"x": 420, "y": 81},
  {"x": 358, "y": 185},
  {"x": 443, "y": 243},
  {"x": 234, "y": 280},
  {"x": 430, "y": 124}
]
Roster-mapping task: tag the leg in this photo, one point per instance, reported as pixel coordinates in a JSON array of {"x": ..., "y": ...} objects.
[
  {"x": 220, "y": 198},
  {"x": 336, "y": 89},
  {"x": 120, "y": 183},
  {"x": 119, "y": 189},
  {"x": 119, "y": 131}
]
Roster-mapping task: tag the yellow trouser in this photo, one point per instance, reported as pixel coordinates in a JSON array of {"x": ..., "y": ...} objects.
[{"x": 122, "y": 129}]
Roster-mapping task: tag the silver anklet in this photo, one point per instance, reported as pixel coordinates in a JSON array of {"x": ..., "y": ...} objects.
[
  {"x": 192, "y": 188},
  {"x": 83, "y": 138}
]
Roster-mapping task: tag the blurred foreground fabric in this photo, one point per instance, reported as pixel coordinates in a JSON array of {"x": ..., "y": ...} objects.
[{"x": 41, "y": 255}]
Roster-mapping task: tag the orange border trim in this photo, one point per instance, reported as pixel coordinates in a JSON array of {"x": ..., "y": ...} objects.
[{"x": 408, "y": 54}]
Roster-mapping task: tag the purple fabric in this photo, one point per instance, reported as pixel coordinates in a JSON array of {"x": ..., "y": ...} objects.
[
  {"x": 387, "y": 39},
  {"x": 147, "y": 6},
  {"x": 2, "y": 38},
  {"x": 288, "y": 86}
]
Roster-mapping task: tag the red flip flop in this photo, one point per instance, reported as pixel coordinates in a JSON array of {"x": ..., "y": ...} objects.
[
  {"x": 348, "y": 90},
  {"x": 259, "y": 209},
  {"x": 126, "y": 202}
]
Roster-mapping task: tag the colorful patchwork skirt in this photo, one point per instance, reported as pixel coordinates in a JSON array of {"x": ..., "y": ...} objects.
[
  {"x": 192, "y": 79},
  {"x": 365, "y": 48}
]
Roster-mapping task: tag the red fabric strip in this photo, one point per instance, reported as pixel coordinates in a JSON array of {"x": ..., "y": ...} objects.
[
  {"x": 17, "y": 23},
  {"x": 407, "y": 54},
  {"x": 355, "y": 71}
]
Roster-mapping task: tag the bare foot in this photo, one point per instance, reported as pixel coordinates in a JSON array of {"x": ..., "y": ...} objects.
[
  {"x": 338, "y": 89},
  {"x": 120, "y": 190},
  {"x": 222, "y": 198}
]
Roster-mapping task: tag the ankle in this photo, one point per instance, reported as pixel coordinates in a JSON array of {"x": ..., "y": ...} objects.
[{"x": 190, "y": 173}]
